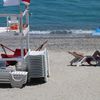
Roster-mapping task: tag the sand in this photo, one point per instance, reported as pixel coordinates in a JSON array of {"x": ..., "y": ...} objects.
[{"x": 65, "y": 82}]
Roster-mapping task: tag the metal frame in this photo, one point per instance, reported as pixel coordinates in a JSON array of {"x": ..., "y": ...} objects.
[{"x": 20, "y": 17}]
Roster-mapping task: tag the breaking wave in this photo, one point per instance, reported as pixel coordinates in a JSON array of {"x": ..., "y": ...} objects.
[{"x": 72, "y": 32}]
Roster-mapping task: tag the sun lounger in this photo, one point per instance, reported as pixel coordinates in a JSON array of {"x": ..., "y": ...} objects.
[
  {"x": 79, "y": 59},
  {"x": 86, "y": 59},
  {"x": 38, "y": 65},
  {"x": 10, "y": 75}
]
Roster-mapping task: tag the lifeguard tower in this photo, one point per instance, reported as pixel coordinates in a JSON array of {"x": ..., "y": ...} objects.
[{"x": 24, "y": 64}]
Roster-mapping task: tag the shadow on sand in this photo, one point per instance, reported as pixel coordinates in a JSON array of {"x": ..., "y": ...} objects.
[
  {"x": 5, "y": 86},
  {"x": 33, "y": 82},
  {"x": 85, "y": 65}
]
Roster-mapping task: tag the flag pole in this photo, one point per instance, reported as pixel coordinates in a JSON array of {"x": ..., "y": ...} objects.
[
  {"x": 19, "y": 6},
  {"x": 21, "y": 28},
  {"x": 20, "y": 18}
]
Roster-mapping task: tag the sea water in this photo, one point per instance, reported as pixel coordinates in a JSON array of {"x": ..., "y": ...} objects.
[{"x": 60, "y": 16}]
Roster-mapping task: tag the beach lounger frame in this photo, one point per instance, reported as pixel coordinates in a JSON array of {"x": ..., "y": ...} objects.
[{"x": 80, "y": 60}]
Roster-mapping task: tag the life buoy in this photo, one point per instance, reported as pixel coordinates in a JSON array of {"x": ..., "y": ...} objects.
[{"x": 14, "y": 27}]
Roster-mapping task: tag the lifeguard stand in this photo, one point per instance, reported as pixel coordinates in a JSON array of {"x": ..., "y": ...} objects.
[
  {"x": 15, "y": 74},
  {"x": 28, "y": 64}
]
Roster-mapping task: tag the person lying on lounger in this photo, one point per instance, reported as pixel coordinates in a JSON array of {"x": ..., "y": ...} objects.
[{"x": 79, "y": 57}]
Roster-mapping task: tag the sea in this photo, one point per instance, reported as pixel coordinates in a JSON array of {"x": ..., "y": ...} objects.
[{"x": 60, "y": 16}]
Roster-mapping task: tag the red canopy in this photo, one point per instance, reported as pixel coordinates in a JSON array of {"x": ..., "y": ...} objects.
[{"x": 26, "y": 2}]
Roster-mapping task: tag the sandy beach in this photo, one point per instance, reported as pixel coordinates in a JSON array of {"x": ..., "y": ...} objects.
[{"x": 65, "y": 82}]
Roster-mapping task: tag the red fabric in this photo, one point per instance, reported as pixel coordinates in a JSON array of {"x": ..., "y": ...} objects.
[
  {"x": 17, "y": 53},
  {"x": 8, "y": 62},
  {"x": 14, "y": 27},
  {"x": 27, "y": 2}
]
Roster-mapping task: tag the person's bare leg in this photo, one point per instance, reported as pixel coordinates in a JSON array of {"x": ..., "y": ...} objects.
[{"x": 75, "y": 54}]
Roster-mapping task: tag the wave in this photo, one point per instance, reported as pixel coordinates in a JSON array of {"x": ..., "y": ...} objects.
[{"x": 70, "y": 32}]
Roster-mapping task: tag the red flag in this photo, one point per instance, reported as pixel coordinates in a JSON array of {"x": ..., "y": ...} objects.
[{"x": 26, "y": 2}]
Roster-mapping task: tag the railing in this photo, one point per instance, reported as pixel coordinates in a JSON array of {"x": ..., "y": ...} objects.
[
  {"x": 19, "y": 26},
  {"x": 6, "y": 15},
  {"x": 20, "y": 30}
]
